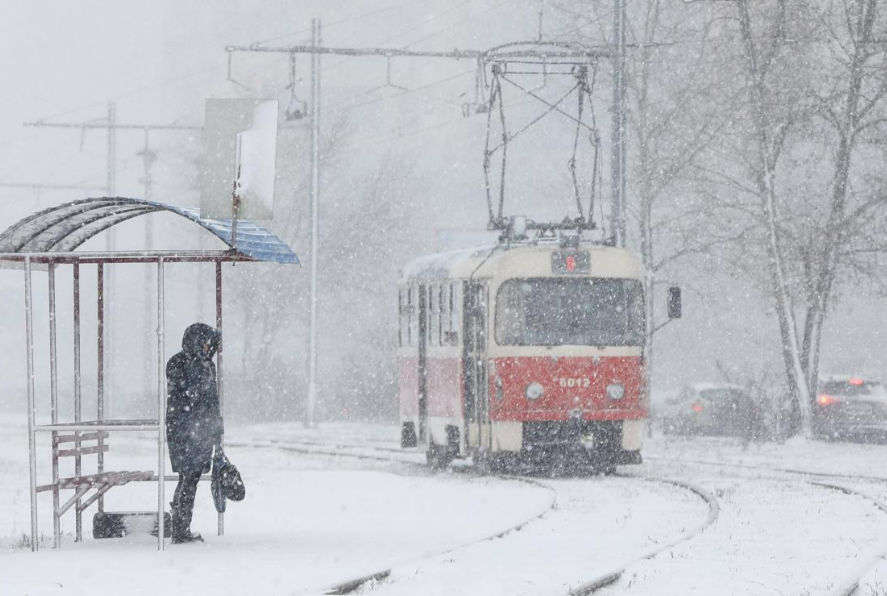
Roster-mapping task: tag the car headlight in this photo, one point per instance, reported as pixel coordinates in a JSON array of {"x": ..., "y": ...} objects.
[
  {"x": 534, "y": 390},
  {"x": 615, "y": 391}
]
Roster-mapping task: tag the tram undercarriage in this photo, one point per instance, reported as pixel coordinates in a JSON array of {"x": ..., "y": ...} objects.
[{"x": 596, "y": 446}]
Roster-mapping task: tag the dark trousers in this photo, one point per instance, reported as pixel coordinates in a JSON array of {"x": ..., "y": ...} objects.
[{"x": 183, "y": 503}]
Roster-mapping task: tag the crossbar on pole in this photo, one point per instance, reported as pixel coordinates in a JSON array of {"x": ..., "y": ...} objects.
[{"x": 400, "y": 53}]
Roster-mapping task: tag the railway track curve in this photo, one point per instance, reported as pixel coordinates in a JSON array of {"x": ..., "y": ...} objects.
[
  {"x": 389, "y": 455},
  {"x": 349, "y": 585}
]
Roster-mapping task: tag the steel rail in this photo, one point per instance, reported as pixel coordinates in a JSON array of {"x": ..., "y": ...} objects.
[
  {"x": 311, "y": 448},
  {"x": 350, "y": 585},
  {"x": 849, "y": 585},
  {"x": 613, "y": 575},
  {"x": 771, "y": 469},
  {"x": 878, "y": 554}
]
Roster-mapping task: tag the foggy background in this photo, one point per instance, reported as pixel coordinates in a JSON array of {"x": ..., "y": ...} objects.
[{"x": 401, "y": 176}]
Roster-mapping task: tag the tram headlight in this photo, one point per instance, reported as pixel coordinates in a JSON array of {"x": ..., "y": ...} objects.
[
  {"x": 534, "y": 390},
  {"x": 615, "y": 391}
]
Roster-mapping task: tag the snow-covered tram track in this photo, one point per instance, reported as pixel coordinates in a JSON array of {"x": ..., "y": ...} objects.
[
  {"x": 773, "y": 469},
  {"x": 613, "y": 575},
  {"x": 849, "y": 585},
  {"x": 315, "y": 448},
  {"x": 391, "y": 455},
  {"x": 352, "y": 584}
]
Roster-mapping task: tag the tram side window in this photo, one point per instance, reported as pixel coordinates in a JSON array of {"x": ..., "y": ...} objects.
[
  {"x": 451, "y": 322},
  {"x": 441, "y": 310},
  {"x": 403, "y": 312},
  {"x": 414, "y": 316},
  {"x": 445, "y": 314},
  {"x": 433, "y": 315}
]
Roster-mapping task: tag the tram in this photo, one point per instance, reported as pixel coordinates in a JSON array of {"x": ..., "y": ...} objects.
[{"x": 529, "y": 350}]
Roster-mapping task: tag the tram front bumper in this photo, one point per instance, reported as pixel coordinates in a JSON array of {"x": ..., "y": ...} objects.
[{"x": 600, "y": 440}]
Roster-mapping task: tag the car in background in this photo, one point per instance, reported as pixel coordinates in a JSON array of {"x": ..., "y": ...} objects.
[
  {"x": 850, "y": 407},
  {"x": 712, "y": 409}
]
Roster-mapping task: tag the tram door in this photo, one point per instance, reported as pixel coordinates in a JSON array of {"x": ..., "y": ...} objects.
[
  {"x": 473, "y": 362},
  {"x": 423, "y": 363}
]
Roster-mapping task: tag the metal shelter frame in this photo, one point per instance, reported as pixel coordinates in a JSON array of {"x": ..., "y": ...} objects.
[{"x": 48, "y": 239}]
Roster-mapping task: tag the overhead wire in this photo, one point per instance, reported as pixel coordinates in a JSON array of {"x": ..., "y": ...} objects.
[
  {"x": 457, "y": 23},
  {"x": 202, "y": 71},
  {"x": 430, "y": 19},
  {"x": 365, "y": 15},
  {"x": 346, "y": 105}
]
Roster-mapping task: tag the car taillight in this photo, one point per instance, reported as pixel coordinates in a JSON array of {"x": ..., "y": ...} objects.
[
  {"x": 697, "y": 407},
  {"x": 826, "y": 400}
]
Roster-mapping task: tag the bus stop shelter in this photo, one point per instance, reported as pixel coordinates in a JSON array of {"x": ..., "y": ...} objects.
[{"x": 49, "y": 239}]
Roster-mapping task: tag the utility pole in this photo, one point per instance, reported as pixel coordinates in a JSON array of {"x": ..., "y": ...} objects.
[
  {"x": 617, "y": 160},
  {"x": 148, "y": 158},
  {"x": 316, "y": 50},
  {"x": 112, "y": 127},
  {"x": 316, "y": 42},
  {"x": 109, "y": 272},
  {"x": 112, "y": 166}
]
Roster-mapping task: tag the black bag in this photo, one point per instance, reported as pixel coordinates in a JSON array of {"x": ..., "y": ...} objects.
[
  {"x": 113, "y": 524},
  {"x": 226, "y": 481}
]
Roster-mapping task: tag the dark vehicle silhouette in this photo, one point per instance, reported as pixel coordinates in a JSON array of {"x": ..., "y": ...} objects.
[
  {"x": 712, "y": 409},
  {"x": 850, "y": 408}
]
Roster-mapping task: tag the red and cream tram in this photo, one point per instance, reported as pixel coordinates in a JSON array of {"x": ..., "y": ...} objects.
[{"x": 529, "y": 350}]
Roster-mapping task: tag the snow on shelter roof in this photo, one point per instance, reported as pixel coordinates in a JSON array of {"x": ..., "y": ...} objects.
[{"x": 64, "y": 228}]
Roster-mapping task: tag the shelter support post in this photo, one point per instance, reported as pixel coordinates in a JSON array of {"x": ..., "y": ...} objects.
[
  {"x": 100, "y": 401},
  {"x": 54, "y": 407},
  {"x": 221, "y": 370},
  {"x": 77, "y": 378},
  {"x": 161, "y": 410},
  {"x": 32, "y": 448}
]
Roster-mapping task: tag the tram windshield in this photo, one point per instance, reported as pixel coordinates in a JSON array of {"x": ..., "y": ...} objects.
[{"x": 570, "y": 311}]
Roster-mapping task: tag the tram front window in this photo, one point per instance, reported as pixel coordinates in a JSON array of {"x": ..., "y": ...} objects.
[{"x": 570, "y": 311}]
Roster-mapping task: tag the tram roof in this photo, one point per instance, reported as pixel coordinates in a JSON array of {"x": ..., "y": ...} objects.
[
  {"x": 525, "y": 259},
  {"x": 64, "y": 228}
]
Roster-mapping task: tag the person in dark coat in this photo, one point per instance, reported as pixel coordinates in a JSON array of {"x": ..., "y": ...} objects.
[{"x": 193, "y": 420}]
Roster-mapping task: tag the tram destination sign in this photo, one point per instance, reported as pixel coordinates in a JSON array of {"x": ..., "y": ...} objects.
[{"x": 571, "y": 262}]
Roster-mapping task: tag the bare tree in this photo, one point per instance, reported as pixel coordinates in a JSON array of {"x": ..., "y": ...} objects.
[
  {"x": 672, "y": 121},
  {"x": 803, "y": 115}
]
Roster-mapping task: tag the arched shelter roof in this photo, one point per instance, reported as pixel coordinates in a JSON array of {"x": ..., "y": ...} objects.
[{"x": 64, "y": 228}]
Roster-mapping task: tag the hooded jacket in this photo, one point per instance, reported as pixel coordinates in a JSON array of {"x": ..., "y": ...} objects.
[{"x": 193, "y": 417}]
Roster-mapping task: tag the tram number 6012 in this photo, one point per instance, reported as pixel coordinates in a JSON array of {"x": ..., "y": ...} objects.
[{"x": 574, "y": 383}]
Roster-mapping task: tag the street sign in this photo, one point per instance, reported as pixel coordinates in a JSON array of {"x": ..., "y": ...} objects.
[{"x": 239, "y": 155}]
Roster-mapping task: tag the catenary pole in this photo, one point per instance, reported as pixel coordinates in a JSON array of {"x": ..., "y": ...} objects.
[
  {"x": 111, "y": 239},
  {"x": 315, "y": 202},
  {"x": 617, "y": 166},
  {"x": 148, "y": 157}
]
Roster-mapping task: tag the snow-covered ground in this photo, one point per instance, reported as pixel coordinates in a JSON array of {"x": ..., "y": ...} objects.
[
  {"x": 307, "y": 523},
  {"x": 312, "y": 520}
]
